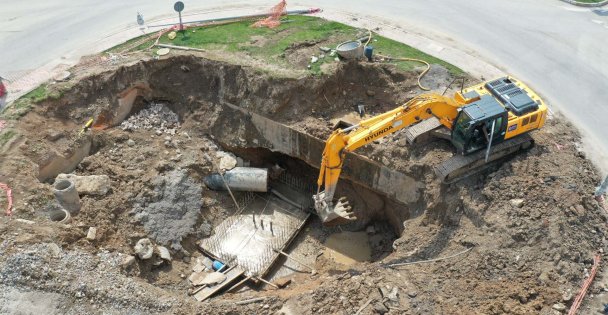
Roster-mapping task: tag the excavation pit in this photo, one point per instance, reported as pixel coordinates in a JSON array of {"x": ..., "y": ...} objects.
[{"x": 268, "y": 121}]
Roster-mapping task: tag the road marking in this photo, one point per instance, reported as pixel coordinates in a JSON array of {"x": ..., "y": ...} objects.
[
  {"x": 597, "y": 22},
  {"x": 570, "y": 8}
]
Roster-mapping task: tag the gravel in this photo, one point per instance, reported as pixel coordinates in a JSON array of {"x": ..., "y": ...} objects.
[
  {"x": 73, "y": 282},
  {"x": 171, "y": 213},
  {"x": 157, "y": 117}
]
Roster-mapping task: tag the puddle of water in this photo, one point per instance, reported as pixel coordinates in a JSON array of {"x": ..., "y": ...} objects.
[{"x": 348, "y": 248}]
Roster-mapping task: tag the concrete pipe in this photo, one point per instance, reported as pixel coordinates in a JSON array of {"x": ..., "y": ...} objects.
[
  {"x": 61, "y": 216},
  {"x": 240, "y": 179},
  {"x": 67, "y": 196}
]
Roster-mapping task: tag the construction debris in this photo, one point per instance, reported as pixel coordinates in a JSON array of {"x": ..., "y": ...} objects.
[
  {"x": 96, "y": 185},
  {"x": 213, "y": 278},
  {"x": 92, "y": 233},
  {"x": 163, "y": 253},
  {"x": 144, "y": 248}
]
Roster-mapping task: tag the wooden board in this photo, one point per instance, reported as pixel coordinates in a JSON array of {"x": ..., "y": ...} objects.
[{"x": 207, "y": 292}]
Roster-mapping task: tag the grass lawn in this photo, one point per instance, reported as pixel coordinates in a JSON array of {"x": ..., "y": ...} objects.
[
  {"x": 23, "y": 105},
  {"x": 269, "y": 45}
]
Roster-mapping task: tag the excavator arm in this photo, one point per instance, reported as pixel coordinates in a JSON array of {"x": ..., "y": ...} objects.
[{"x": 348, "y": 140}]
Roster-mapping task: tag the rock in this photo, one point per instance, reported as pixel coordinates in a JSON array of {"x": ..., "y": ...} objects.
[
  {"x": 412, "y": 294},
  {"x": 325, "y": 49},
  {"x": 559, "y": 307},
  {"x": 144, "y": 248},
  {"x": 393, "y": 295},
  {"x": 544, "y": 276},
  {"x": 163, "y": 252},
  {"x": 54, "y": 249},
  {"x": 370, "y": 93},
  {"x": 202, "y": 263},
  {"x": 314, "y": 59},
  {"x": 214, "y": 278},
  {"x": 55, "y": 135},
  {"x": 567, "y": 296},
  {"x": 227, "y": 160},
  {"x": 92, "y": 233},
  {"x": 385, "y": 161},
  {"x": 517, "y": 203},
  {"x": 196, "y": 278},
  {"x": 380, "y": 308},
  {"x": 580, "y": 210},
  {"x": 127, "y": 262},
  {"x": 98, "y": 185}
]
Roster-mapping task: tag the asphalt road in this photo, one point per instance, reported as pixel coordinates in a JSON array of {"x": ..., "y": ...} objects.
[{"x": 560, "y": 50}]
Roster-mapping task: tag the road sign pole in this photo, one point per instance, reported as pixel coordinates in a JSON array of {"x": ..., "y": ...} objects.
[{"x": 179, "y": 7}]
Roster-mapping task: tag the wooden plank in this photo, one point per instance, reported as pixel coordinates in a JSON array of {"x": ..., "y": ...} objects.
[{"x": 207, "y": 292}]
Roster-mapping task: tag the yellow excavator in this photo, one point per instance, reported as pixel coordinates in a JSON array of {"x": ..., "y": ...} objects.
[{"x": 485, "y": 123}]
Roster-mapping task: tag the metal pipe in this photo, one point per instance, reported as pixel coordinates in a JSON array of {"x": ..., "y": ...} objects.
[
  {"x": 238, "y": 17},
  {"x": 180, "y": 47},
  {"x": 240, "y": 179},
  {"x": 67, "y": 195},
  {"x": 296, "y": 260}
]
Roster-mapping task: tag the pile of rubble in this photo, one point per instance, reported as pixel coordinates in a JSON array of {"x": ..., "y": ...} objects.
[{"x": 157, "y": 117}]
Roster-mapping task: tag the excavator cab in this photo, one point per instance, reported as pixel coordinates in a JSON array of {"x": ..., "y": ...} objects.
[{"x": 477, "y": 123}]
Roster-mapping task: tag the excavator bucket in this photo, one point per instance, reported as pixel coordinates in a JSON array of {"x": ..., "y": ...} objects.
[{"x": 333, "y": 214}]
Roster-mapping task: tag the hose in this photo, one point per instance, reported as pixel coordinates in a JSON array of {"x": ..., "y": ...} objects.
[{"x": 428, "y": 66}]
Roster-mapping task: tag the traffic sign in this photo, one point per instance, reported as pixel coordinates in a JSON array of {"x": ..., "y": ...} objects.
[{"x": 178, "y": 6}]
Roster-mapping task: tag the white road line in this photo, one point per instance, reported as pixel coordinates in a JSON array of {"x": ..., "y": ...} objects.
[
  {"x": 597, "y": 22},
  {"x": 573, "y": 9}
]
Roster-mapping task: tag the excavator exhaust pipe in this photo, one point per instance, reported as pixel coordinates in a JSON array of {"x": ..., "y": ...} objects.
[{"x": 333, "y": 214}]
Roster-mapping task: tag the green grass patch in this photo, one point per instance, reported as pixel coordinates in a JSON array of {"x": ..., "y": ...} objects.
[
  {"x": 5, "y": 136},
  {"x": 24, "y": 104},
  {"x": 270, "y": 45},
  {"x": 393, "y": 48}
]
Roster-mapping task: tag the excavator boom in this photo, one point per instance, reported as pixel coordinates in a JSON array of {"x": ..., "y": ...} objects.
[{"x": 342, "y": 141}]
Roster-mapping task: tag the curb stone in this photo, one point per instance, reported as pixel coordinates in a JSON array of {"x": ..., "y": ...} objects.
[{"x": 581, "y": 4}]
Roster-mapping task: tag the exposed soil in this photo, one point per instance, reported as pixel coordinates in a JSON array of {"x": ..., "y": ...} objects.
[{"x": 526, "y": 255}]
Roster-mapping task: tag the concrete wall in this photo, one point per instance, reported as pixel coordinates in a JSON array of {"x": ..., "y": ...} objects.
[{"x": 397, "y": 186}]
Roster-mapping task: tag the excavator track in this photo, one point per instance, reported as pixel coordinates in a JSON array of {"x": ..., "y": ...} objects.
[
  {"x": 459, "y": 167},
  {"x": 416, "y": 131}
]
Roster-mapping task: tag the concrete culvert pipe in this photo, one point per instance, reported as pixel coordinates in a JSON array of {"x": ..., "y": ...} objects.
[
  {"x": 240, "y": 179},
  {"x": 67, "y": 195},
  {"x": 61, "y": 216}
]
